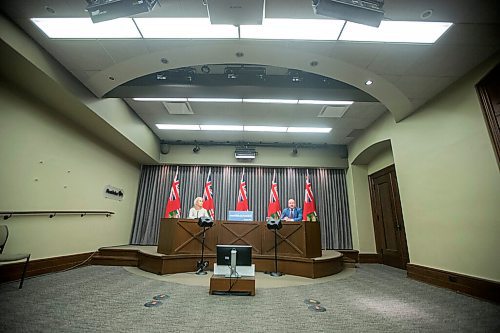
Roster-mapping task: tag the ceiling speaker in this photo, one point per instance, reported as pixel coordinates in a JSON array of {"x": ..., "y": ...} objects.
[
  {"x": 104, "y": 10},
  {"x": 164, "y": 148}
]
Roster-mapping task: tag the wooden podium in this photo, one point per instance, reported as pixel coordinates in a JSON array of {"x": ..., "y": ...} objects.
[
  {"x": 222, "y": 284},
  {"x": 295, "y": 239}
]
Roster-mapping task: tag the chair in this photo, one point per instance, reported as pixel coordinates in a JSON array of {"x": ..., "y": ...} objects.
[{"x": 4, "y": 234}]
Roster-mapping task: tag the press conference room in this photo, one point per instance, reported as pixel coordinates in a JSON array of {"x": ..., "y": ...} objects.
[{"x": 267, "y": 165}]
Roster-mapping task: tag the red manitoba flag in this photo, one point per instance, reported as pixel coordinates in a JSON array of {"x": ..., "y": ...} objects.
[
  {"x": 174, "y": 201},
  {"x": 242, "y": 203},
  {"x": 274, "y": 208}
]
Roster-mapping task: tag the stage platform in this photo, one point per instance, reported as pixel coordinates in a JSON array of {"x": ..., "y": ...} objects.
[{"x": 148, "y": 259}]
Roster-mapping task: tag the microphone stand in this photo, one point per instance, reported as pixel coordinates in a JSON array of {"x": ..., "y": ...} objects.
[
  {"x": 202, "y": 264},
  {"x": 276, "y": 273}
]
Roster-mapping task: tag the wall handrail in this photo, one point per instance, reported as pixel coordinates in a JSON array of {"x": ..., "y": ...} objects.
[{"x": 52, "y": 213}]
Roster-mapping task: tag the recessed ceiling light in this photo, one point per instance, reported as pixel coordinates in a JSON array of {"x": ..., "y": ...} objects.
[
  {"x": 426, "y": 14},
  {"x": 50, "y": 9},
  {"x": 369, "y": 82},
  {"x": 164, "y": 60}
]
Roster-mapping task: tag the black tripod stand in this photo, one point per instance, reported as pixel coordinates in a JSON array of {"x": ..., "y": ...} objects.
[
  {"x": 275, "y": 225},
  {"x": 205, "y": 222}
]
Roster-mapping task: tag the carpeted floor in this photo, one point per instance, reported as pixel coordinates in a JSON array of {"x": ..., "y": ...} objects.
[{"x": 371, "y": 298}]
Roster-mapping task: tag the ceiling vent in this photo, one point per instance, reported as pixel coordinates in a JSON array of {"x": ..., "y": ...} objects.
[
  {"x": 336, "y": 111},
  {"x": 236, "y": 12},
  {"x": 178, "y": 107},
  {"x": 245, "y": 153}
]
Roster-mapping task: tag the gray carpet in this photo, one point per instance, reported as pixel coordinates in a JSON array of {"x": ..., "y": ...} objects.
[{"x": 375, "y": 298}]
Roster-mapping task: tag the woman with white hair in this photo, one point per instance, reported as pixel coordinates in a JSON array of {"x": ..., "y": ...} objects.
[{"x": 197, "y": 210}]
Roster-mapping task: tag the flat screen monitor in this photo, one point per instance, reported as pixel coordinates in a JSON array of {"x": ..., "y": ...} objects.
[{"x": 243, "y": 255}]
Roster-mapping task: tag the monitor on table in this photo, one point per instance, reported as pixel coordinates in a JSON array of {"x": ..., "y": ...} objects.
[{"x": 237, "y": 257}]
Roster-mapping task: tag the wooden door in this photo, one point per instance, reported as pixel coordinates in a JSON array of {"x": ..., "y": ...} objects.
[{"x": 388, "y": 222}]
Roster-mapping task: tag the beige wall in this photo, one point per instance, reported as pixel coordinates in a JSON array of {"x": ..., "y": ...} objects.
[
  {"x": 448, "y": 178},
  {"x": 267, "y": 156},
  {"x": 50, "y": 163},
  {"x": 360, "y": 209},
  {"x": 28, "y": 65},
  {"x": 382, "y": 160}
]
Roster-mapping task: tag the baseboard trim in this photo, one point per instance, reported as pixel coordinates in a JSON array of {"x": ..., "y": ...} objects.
[
  {"x": 482, "y": 288},
  {"x": 12, "y": 272},
  {"x": 369, "y": 258}
]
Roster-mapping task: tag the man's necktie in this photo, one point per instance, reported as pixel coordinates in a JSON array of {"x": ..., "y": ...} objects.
[{"x": 291, "y": 213}]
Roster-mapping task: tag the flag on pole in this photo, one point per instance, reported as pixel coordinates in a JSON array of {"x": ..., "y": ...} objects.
[
  {"x": 274, "y": 208},
  {"x": 309, "y": 211},
  {"x": 174, "y": 201},
  {"x": 242, "y": 203},
  {"x": 208, "y": 196}
]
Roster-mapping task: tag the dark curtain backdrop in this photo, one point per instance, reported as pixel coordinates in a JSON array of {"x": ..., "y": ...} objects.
[{"x": 328, "y": 185}]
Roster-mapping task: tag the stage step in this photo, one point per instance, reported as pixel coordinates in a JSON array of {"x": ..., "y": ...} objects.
[{"x": 116, "y": 257}]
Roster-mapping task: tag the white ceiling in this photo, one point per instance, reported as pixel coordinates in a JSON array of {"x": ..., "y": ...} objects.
[{"x": 403, "y": 73}]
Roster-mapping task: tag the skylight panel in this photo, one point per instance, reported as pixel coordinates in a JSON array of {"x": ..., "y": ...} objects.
[
  {"x": 184, "y": 28},
  {"x": 83, "y": 28},
  {"x": 298, "y": 29},
  {"x": 395, "y": 32}
]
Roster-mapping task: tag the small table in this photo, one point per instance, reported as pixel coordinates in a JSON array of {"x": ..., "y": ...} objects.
[{"x": 222, "y": 284}]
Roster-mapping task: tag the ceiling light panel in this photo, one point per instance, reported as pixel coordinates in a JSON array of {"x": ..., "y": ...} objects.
[
  {"x": 395, "y": 32},
  {"x": 178, "y": 127},
  {"x": 265, "y": 129},
  {"x": 221, "y": 128},
  {"x": 184, "y": 28},
  {"x": 215, "y": 100},
  {"x": 299, "y": 29},
  {"x": 270, "y": 101},
  {"x": 309, "y": 130},
  {"x": 160, "y": 99},
  {"x": 83, "y": 28},
  {"x": 317, "y": 102}
]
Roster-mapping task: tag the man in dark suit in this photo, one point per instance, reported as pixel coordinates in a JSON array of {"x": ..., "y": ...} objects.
[{"x": 292, "y": 213}]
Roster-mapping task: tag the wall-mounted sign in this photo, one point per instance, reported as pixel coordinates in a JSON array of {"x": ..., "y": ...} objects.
[{"x": 114, "y": 193}]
